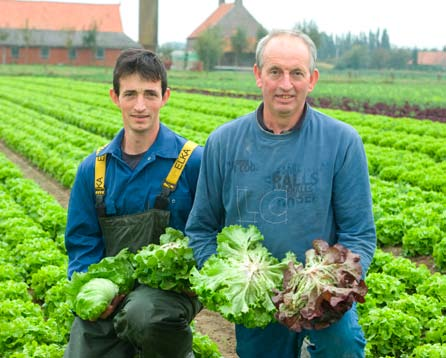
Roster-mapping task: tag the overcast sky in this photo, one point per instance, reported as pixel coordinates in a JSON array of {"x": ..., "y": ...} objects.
[{"x": 409, "y": 23}]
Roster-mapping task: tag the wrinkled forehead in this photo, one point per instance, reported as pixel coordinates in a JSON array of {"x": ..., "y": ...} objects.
[{"x": 288, "y": 50}]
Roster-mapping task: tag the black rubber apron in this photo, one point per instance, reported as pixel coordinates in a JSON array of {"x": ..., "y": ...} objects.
[{"x": 133, "y": 231}]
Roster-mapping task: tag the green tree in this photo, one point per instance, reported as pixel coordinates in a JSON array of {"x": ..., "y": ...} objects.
[
  {"x": 385, "y": 41},
  {"x": 165, "y": 52},
  {"x": 209, "y": 47},
  {"x": 399, "y": 58},
  {"x": 379, "y": 58},
  {"x": 69, "y": 39},
  {"x": 3, "y": 36},
  {"x": 327, "y": 48},
  {"x": 26, "y": 35},
  {"x": 373, "y": 41},
  {"x": 415, "y": 57},
  {"x": 356, "y": 58},
  {"x": 310, "y": 28},
  {"x": 239, "y": 43},
  {"x": 261, "y": 32},
  {"x": 89, "y": 38}
]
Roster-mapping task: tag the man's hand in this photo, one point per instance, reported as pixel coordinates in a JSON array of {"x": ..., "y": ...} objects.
[
  {"x": 190, "y": 293},
  {"x": 112, "y": 306}
]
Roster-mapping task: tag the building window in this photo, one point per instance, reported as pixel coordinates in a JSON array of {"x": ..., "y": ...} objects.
[
  {"x": 44, "y": 52},
  {"x": 72, "y": 53},
  {"x": 15, "y": 52},
  {"x": 100, "y": 53}
]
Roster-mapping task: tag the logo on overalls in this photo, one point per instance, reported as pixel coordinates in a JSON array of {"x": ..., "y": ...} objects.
[
  {"x": 99, "y": 182},
  {"x": 181, "y": 160}
]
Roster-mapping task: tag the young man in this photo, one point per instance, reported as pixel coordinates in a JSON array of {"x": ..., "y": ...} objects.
[
  {"x": 131, "y": 208},
  {"x": 296, "y": 174}
]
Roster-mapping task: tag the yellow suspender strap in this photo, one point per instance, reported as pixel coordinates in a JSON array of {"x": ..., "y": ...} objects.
[
  {"x": 169, "y": 184},
  {"x": 99, "y": 172},
  {"x": 175, "y": 172},
  {"x": 171, "y": 180}
]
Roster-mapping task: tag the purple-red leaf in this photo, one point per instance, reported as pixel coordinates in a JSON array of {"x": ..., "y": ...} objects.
[{"x": 317, "y": 295}]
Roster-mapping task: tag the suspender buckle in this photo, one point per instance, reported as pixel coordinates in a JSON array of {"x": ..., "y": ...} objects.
[{"x": 162, "y": 200}]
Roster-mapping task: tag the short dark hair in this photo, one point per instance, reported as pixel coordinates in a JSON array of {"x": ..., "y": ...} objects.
[{"x": 143, "y": 62}]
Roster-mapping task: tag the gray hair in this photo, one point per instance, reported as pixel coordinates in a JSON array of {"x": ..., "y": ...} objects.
[{"x": 293, "y": 33}]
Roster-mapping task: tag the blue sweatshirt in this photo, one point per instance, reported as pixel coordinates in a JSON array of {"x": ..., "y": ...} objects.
[
  {"x": 310, "y": 183},
  {"x": 127, "y": 192}
]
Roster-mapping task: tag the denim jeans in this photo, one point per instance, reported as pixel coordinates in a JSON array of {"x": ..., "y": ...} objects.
[{"x": 343, "y": 339}]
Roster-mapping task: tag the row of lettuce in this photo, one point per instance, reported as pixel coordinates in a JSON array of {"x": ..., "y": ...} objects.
[
  {"x": 34, "y": 316},
  {"x": 383, "y": 90},
  {"x": 392, "y": 89},
  {"x": 55, "y": 123},
  {"x": 403, "y": 314},
  {"x": 407, "y": 157}
]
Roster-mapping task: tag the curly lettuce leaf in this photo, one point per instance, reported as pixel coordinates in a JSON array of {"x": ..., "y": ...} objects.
[
  {"x": 317, "y": 295},
  {"x": 166, "y": 266},
  {"x": 238, "y": 280},
  {"x": 203, "y": 346},
  {"x": 117, "y": 269}
]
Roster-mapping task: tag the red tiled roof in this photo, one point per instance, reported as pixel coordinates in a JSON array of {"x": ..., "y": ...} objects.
[
  {"x": 212, "y": 20},
  {"x": 46, "y": 15},
  {"x": 432, "y": 58}
]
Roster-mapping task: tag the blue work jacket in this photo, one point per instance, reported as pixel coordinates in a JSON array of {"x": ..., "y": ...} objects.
[{"x": 127, "y": 192}]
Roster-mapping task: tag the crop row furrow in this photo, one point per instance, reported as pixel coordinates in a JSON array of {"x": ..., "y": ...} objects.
[{"x": 34, "y": 312}]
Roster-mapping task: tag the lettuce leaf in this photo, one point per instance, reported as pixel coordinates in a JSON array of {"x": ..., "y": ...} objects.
[
  {"x": 317, "y": 295},
  {"x": 94, "y": 297},
  {"x": 117, "y": 269},
  {"x": 238, "y": 280},
  {"x": 166, "y": 266}
]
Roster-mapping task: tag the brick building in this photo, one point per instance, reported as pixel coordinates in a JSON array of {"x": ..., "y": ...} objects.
[
  {"x": 432, "y": 58},
  {"x": 229, "y": 17},
  {"x": 44, "y": 32}
]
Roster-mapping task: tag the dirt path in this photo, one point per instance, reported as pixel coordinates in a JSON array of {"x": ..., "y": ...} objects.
[
  {"x": 207, "y": 322},
  {"x": 47, "y": 183}
]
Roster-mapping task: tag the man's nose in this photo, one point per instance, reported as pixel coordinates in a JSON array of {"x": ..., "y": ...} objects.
[
  {"x": 285, "y": 82},
  {"x": 140, "y": 104}
]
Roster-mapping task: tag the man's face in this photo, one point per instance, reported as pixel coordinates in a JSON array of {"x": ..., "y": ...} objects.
[
  {"x": 285, "y": 78},
  {"x": 140, "y": 101}
]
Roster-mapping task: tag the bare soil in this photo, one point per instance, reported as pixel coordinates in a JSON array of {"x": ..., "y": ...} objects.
[
  {"x": 207, "y": 322},
  {"x": 219, "y": 330}
]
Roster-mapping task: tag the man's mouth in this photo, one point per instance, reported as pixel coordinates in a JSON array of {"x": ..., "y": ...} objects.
[{"x": 285, "y": 96}]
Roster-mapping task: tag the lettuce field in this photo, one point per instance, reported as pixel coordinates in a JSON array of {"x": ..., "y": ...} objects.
[{"x": 55, "y": 122}]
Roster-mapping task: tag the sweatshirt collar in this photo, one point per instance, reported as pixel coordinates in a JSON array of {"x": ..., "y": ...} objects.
[{"x": 295, "y": 128}]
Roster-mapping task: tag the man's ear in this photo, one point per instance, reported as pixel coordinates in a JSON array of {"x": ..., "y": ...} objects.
[
  {"x": 313, "y": 79},
  {"x": 114, "y": 97},
  {"x": 166, "y": 96},
  {"x": 257, "y": 73}
]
